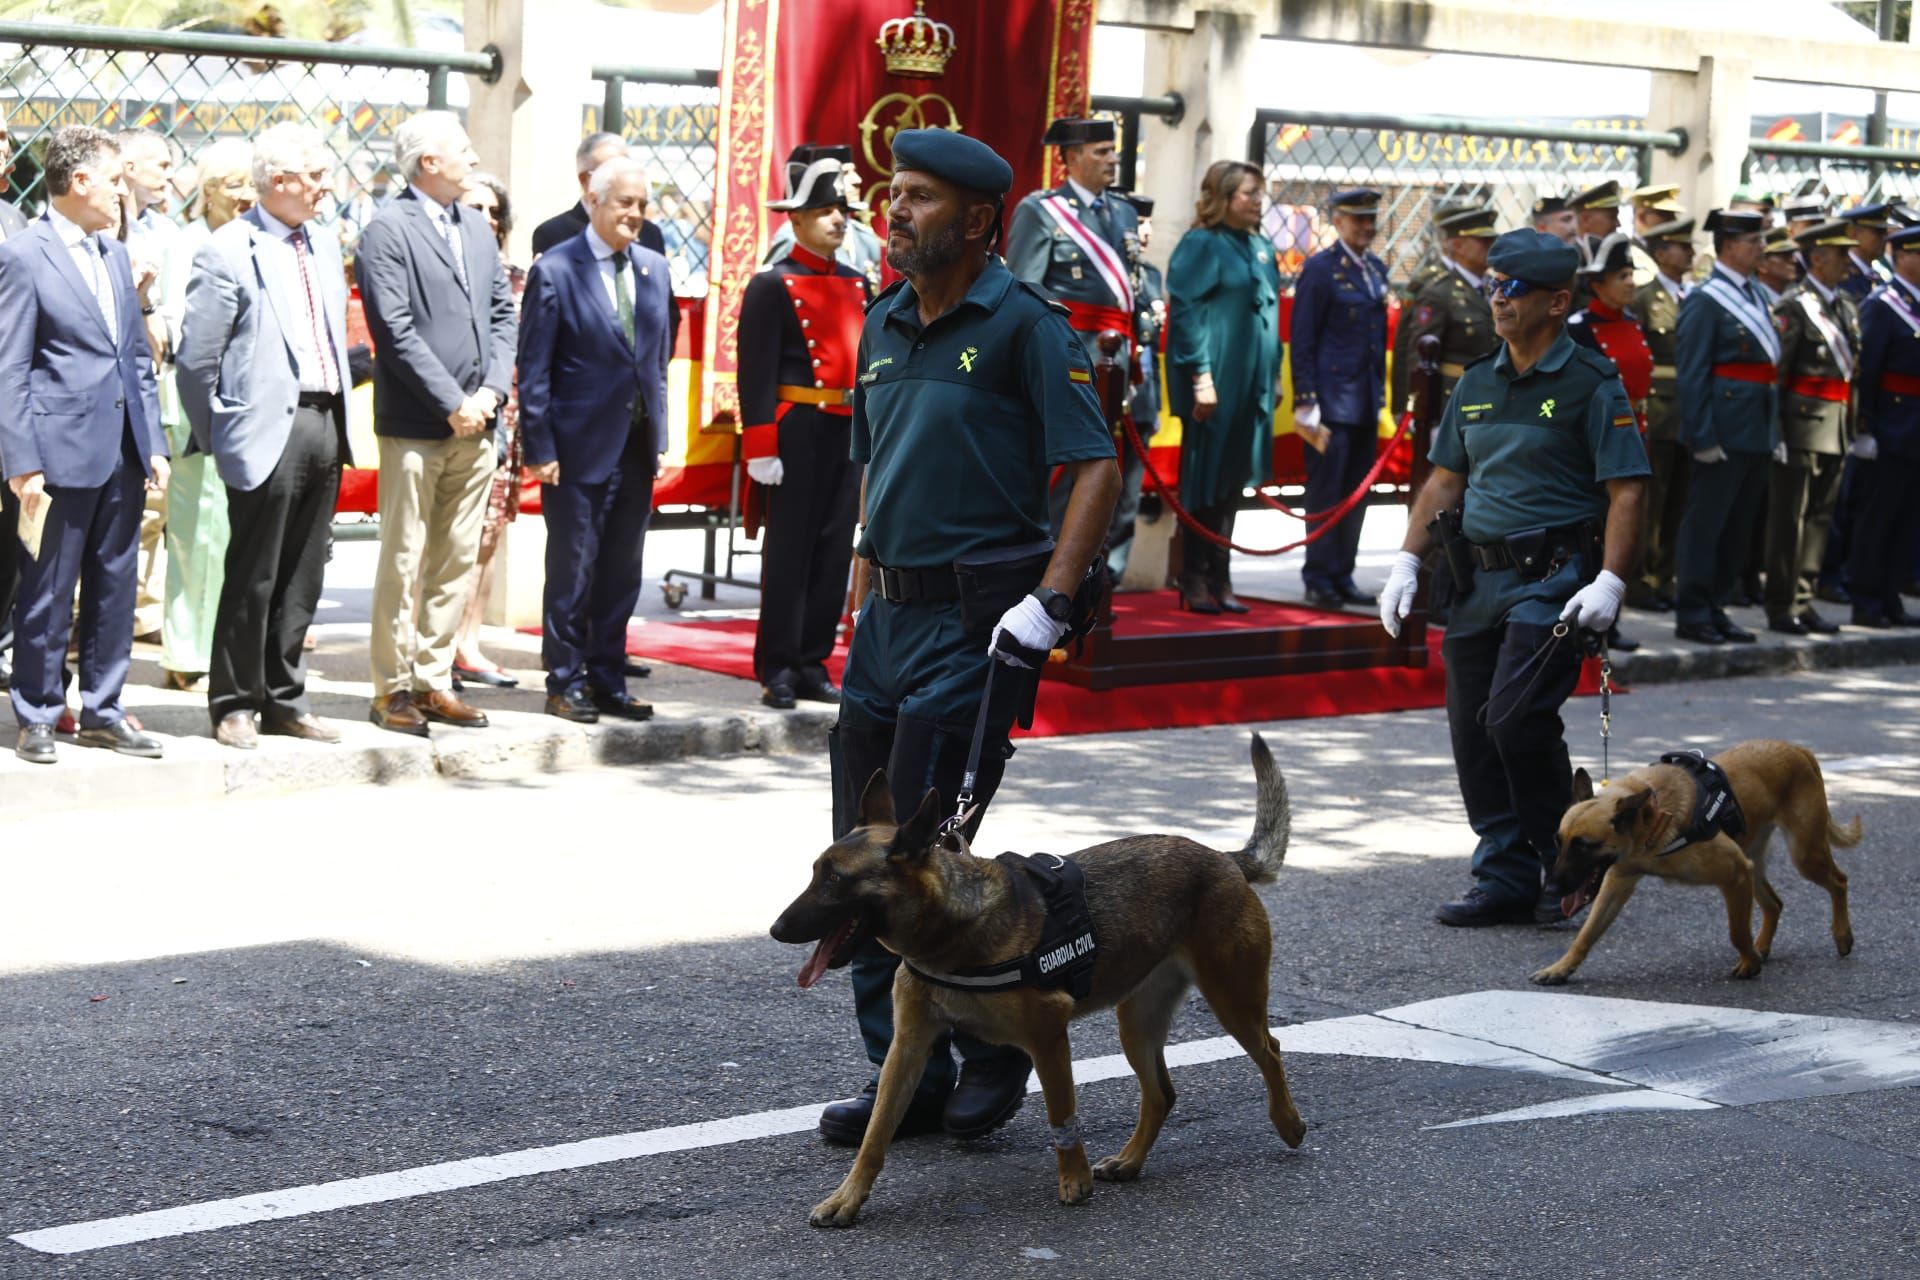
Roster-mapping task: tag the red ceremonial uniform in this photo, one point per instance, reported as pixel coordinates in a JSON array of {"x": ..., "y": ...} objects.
[
  {"x": 1617, "y": 336},
  {"x": 799, "y": 336}
]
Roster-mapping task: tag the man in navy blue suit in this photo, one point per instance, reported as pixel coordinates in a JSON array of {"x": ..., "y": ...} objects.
[
  {"x": 80, "y": 441},
  {"x": 594, "y": 345},
  {"x": 1886, "y": 451},
  {"x": 1339, "y": 380}
]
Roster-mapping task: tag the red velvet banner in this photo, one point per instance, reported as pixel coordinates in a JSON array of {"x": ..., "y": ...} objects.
[{"x": 795, "y": 75}]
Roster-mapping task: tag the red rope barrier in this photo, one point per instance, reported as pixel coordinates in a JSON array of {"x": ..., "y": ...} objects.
[{"x": 1330, "y": 518}]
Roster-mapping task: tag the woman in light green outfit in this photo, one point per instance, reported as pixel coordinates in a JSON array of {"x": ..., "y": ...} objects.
[
  {"x": 1223, "y": 365},
  {"x": 196, "y": 499}
]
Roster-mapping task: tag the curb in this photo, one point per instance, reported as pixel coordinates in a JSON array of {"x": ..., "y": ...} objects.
[{"x": 1769, "y": 659}]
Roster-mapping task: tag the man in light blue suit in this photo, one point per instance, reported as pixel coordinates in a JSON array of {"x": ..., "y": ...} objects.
[
  {"x": 262, "y": 372},
  {"x": 80, "y": 441},
  {"x": 594, "y": 345}
]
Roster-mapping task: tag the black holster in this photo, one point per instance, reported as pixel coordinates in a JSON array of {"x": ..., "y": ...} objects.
[
  {"x": 992, "y": 582},
  {"x": 1455, "y": 550}
]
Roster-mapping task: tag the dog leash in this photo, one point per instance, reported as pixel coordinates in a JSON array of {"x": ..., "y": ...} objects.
[
  {"x": 1560, "y": 632},
  {"x": 963, "y": 802},
  {"x": 1606, "y": 713}
]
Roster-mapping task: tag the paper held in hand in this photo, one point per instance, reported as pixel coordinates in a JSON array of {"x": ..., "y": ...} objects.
[{"x": 33, "y": 523}]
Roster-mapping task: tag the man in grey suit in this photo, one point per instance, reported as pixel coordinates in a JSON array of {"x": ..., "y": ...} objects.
[
  {"x": 262, "y": 372},
  {"x": 80, "y": 441},
  {"x": 440, "y": 309},
  {"x": 12, "y": 223}
]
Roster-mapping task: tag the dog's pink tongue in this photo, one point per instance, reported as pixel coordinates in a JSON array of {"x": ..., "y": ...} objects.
[
  {"x": 1571, "y": 904},
  {"x": 817, "y": 962}
]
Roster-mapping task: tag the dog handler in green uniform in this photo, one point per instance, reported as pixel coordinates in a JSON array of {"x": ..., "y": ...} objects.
[
  {"x": 970, "y": 388},
  {"x": 1538, "y": 476}
]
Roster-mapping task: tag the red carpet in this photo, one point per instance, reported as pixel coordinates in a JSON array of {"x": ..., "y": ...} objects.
[{"x": 726, "y": 648}]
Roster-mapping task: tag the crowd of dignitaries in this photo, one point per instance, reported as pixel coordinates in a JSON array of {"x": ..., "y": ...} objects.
[{"x": 189, "y": 382}]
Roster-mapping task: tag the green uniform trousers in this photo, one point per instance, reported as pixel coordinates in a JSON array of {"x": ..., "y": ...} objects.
[{"x": 1800, "y": 504}]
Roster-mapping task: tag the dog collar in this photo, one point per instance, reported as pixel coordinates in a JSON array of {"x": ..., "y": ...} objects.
[{"x": 1067, "y": 950}]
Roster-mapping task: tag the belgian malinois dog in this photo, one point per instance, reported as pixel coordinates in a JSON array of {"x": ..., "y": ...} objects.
[
  {"x": 1608, "y": 841},
  {"x": 1167, "y": 913}
]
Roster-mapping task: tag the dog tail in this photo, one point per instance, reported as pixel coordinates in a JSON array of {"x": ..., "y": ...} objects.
[
  {"x": 1272, "y": 821},
  {"x": 1840, "y": 837}
]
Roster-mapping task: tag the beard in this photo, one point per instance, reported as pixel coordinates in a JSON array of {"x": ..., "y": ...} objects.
[{"x": 939, "y": 248}]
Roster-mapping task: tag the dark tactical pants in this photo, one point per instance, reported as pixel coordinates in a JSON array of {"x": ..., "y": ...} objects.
[
  {"x": 808, "y": 546},
  {"x": 908, "y": 702},
  {"x": 1886, "y": 525},
  {"x": 1800, "y": 505},
  {"x": 1666, "y": 503},
  {"x": 1715, "y": 532},
  {"x": 1331, "y": 476},
  {"x": 1510, "y": 750}
]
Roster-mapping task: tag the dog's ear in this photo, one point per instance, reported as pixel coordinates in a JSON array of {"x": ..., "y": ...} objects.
[
  {"x": 1627, "y": 812},
  {"x": 1582, "y": 786},
  {"x": 918, "y": 834},
  {"x": 876, "y": 802}
]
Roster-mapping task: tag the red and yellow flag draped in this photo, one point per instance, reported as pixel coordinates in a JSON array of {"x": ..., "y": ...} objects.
[{"x": 806, "y": 71}]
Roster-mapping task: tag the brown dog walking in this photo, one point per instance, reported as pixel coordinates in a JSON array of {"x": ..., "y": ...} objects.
[
  {"x": 1674, "y": 820},
  {"x": 1160, "y": 914}
]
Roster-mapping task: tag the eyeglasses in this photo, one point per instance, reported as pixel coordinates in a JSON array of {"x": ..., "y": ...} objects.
[{"x": 1509, "y": 288}]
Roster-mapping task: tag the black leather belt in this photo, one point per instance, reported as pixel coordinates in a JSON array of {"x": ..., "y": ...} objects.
[
  {"x": 937, "y": 585},
  {"x": 319, "y": 399},
  {"x": 1557, "y": 545}
]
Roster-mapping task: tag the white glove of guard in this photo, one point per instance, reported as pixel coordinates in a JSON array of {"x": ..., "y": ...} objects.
[
  {"x": 1307, "y": 419},
  {"x": 1865, "y": 448},
  {"x": 1396, "y": 598},
  {"x": 1031, "y": 625},
  {"x": 1715, "y": 454},
  {"x": 1780, "y": 453},
  {"x": 1595, "y": 606},
  {"x": 767, "y": 470}
]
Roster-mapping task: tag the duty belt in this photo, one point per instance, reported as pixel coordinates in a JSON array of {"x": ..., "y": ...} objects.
[
  {"x": 935, "y": 585},
  {"x": 1746, "y": 371},
  {"x": 1835, "y": 390},
  {"x": 814, "y": 395},
  {"x": 1562, "y": 544}
]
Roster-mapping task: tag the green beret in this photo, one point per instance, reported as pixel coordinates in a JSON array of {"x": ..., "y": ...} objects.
[
  {"x": 1534, "y": 256},
  {"x": 963, "y": 161}
]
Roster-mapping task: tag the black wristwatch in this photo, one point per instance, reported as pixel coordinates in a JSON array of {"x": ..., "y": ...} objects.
[{"x": 1058, "y": 604}]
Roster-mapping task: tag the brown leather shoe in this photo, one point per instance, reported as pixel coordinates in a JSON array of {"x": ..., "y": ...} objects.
[
  {"x": 309, "y": 727},
  {"x": 236, "y": 730},
  {"x": 184, "y": 681},
  {"x": 441, "y": 705},
  {"x": 397, "y": 712}
]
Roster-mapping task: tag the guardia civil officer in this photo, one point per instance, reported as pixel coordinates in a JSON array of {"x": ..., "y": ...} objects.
[
  {"x": 1538, "y": 475},
  {"x": 1725, "y": 360},
  {"x": 800, "y": 323},
  {"x": 1339, "y": 364},
  {"x": 1887, "y": 448},
  {"x": 1652, "y": 207},
  {"x": 1078, "y": 241},
  {"x": 1657, "y": 304},
  {"x": 970, "y": 389},
  {"x": 1450, "y": 303},
  {"x": 1819, "y": 350},
  {"x": 1552, "y": 216},
  {"x": 1143, "y": 405}
]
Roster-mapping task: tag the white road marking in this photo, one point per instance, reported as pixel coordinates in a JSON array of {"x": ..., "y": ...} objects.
[{"x": 1680, "y": 1057}]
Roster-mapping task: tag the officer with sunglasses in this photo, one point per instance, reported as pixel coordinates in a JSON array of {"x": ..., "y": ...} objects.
[{"x": 1538, "y": 477}]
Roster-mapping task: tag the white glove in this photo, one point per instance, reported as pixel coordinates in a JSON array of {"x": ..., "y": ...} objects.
[
  {"x": 1396, "y": 598},
  {"x": 1780, "y": 453},
  {"x": 1029, "y": 624},
  {"x": 1715, "y": 454},
  {"x": 766, "y": 470},
  {"x": 1596, "y": 605},
  {"x": 1865, "y": 448},
  {"x": 1307, "y": 419}
]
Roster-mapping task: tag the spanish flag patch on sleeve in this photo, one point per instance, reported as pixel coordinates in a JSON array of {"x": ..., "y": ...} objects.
[
  {"x": 1625, "y": 421},
  {"x": 1079, "y": 375}
]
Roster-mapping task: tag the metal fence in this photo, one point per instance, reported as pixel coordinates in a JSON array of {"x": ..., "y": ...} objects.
[
  {"x": 1840, "y": 174},
  {"x": 1419, "y": 162},
  {"x": 671, "y": 118},
  {"x": 196, "y": 88}
]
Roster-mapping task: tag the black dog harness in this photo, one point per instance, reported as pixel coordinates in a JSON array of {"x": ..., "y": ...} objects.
[
  {"x": 1715, "y": 808},
  {"x": 1067, "y": 950}
]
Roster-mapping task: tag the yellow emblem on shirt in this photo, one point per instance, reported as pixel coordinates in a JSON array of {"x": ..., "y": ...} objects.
[
  {"x": 967, "y": 358},
  {"x": 1546, "y": 408}
]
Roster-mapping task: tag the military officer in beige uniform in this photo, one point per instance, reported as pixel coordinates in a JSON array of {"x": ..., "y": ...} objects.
[
  {"x": 1451, "y": 303},
  {"x": 1657, "y": 303},
  {"x": 1652, "y": 206}
]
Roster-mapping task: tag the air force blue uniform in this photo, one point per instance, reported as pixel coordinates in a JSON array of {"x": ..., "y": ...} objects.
[
  {"x": 1339, "y": 362},
  {"x": 1888, "y": 521}
]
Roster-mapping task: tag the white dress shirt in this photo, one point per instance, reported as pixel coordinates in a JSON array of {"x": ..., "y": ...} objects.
[
  {"x": 447, "y": 223},
  {"x": 89, "y": 259},
  {"x": 302, "y": 332},
  {"x": 603, "y": 257}
]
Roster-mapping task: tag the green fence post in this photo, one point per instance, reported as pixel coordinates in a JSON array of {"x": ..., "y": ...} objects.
[
  {"x": 437, "y": 89},
  {"x": 613, "y": 108}
]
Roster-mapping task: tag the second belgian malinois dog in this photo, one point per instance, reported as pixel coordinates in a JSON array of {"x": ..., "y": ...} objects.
[
  {"x": 1634, "y": 828},
  {"x": 1167, "y": 913}
]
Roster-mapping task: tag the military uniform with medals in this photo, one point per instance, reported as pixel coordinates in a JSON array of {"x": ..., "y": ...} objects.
[
  {"x": 1452, "y": 305},
  {"x": 1887, "y": 452},
  {"x": 1657, "y": 305}
]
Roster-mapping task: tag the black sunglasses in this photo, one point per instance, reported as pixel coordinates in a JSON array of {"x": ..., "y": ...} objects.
[{"x": 1511, "y": 287}]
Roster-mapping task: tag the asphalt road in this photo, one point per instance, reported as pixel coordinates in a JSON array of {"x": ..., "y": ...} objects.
[{"x": 199, "y": 1003}]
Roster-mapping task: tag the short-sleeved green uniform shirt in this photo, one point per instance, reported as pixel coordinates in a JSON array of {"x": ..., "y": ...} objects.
[
  {"x": 1537, "y": 449},
  {"x": 961, "y": 422}
]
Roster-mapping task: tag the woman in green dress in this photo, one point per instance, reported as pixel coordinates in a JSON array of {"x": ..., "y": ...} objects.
[
  {"x": 1223, "y": 365},
  {"x": 196, "y": 498}
]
